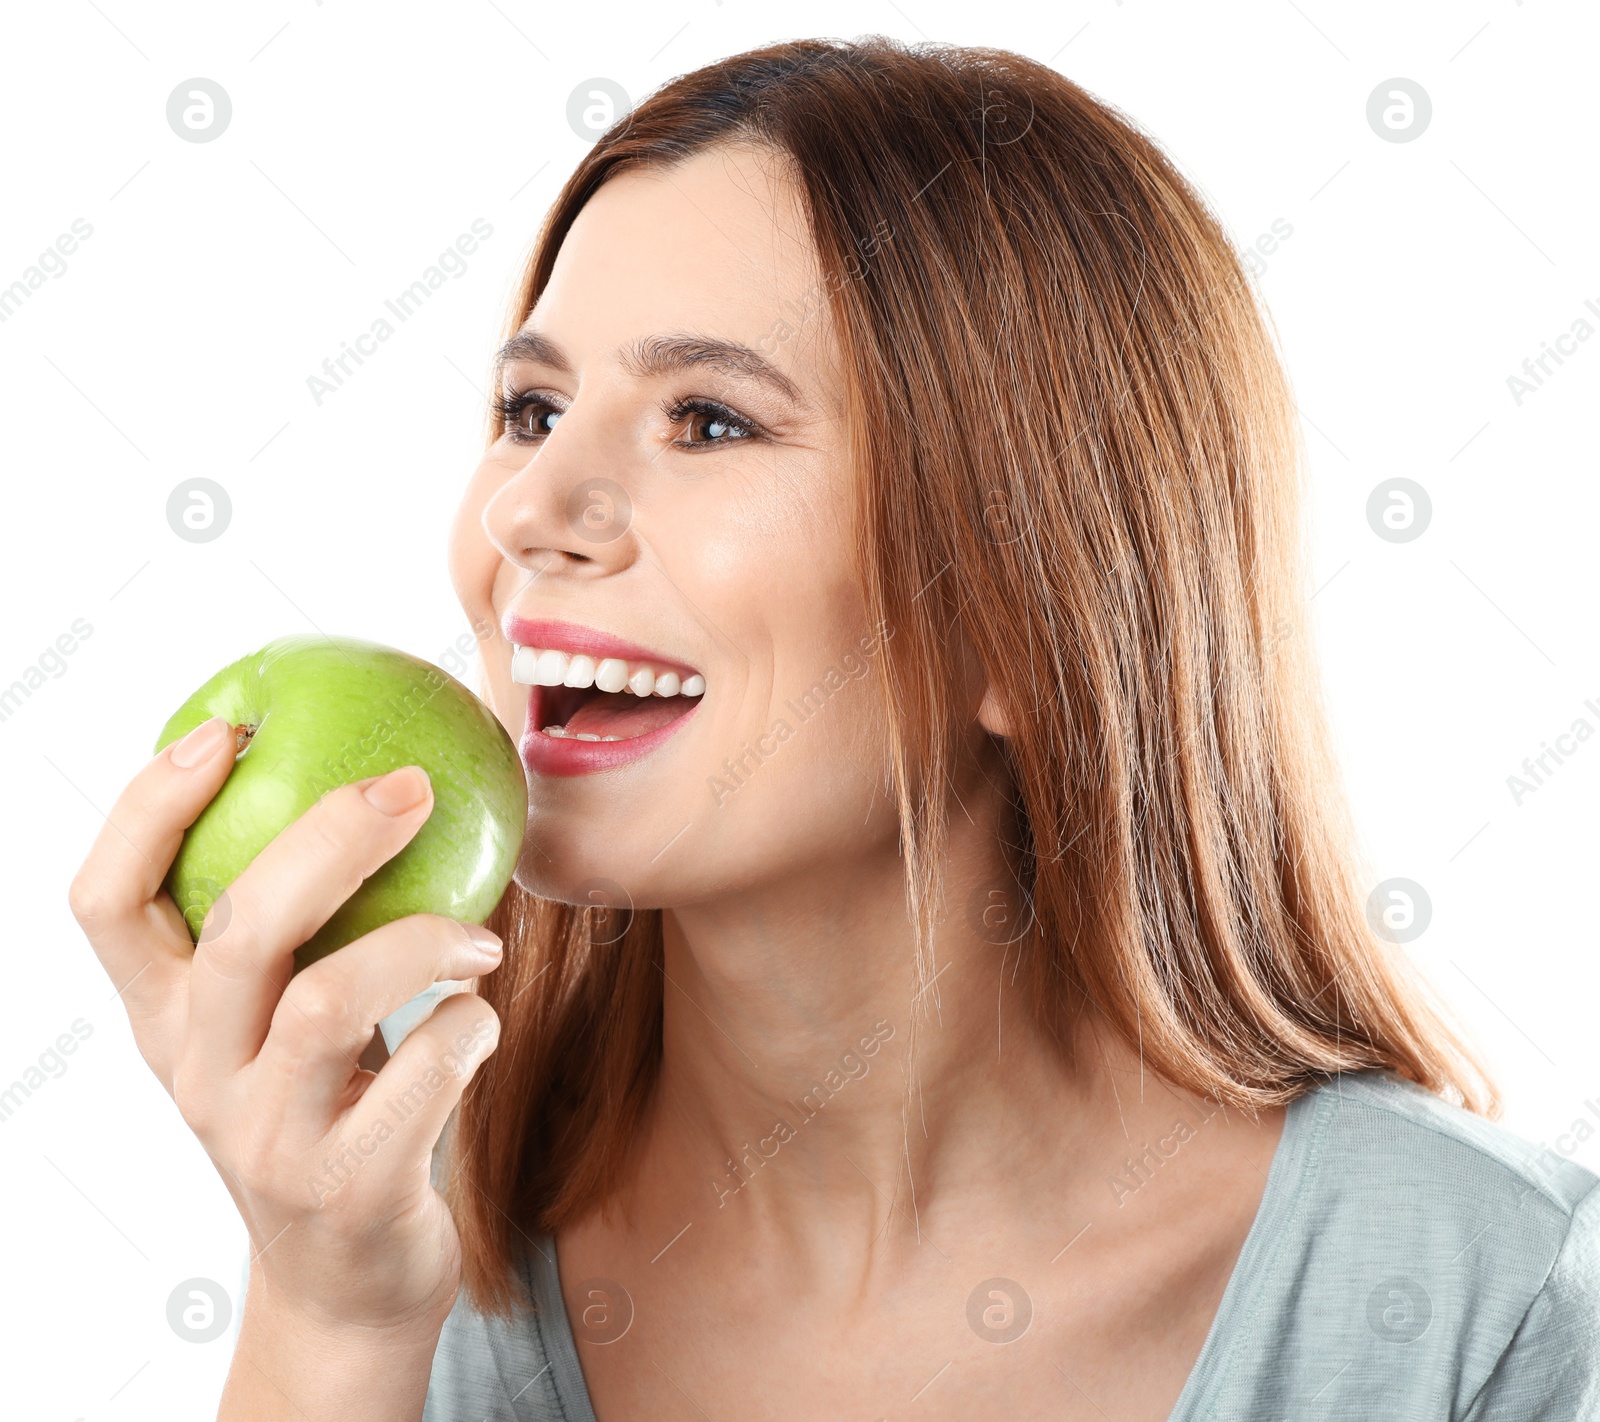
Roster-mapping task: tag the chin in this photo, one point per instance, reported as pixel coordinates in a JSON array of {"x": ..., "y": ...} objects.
[{"x": 553, "y": 867}]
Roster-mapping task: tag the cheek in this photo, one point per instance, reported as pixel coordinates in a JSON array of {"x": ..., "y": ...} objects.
[
  {"x": 484, "y": 584},
  {"x": 473, "y": 558},
  {"x": 793, "y": 763},
  {"x": 804, "y": 784},
  {"x": 768, "y": 577},
  {"x": 766, "y": 549},
  {"x": 502, "y": 581}
]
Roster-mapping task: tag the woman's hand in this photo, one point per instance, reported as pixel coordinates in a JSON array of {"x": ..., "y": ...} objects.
[{"x": 328, "y": 1163}]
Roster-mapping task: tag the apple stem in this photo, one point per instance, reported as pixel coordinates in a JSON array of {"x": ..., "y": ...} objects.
[{"x": 241, "y": 737}]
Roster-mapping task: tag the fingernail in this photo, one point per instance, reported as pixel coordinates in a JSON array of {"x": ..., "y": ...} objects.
[
  {"x": 200, "y": 742},
  {"x": 398, "y": 791},
  {"x": 484, "y": 940}
]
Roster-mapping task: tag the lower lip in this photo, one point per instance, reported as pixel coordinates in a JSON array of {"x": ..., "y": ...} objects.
[{"x": 566, "y": 755}]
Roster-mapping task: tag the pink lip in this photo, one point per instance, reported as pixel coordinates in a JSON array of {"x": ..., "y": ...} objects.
[
  {"x": 546, "y": 755},
  {"x": 573, "y": 637}
]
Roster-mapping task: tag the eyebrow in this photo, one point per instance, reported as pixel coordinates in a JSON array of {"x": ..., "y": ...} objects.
[{"x": 654, "y": 356}]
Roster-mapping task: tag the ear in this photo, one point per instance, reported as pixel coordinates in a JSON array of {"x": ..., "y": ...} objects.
[{"x": 992, "y": 716}]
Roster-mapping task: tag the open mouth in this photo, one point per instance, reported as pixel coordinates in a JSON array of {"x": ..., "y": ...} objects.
[{"x": 578, "y": 697}]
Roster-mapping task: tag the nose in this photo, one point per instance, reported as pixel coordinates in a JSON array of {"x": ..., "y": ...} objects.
[{"x": 552, "y": 516}]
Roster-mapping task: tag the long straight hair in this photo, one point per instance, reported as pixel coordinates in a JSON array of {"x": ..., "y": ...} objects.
[{"x": 1080, "y": 457}]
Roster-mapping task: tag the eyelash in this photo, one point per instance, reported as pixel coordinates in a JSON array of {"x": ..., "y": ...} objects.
[{"x": 512, "y": 406}]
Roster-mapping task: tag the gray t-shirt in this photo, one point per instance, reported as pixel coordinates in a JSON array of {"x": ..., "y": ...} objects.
[{"x": 1409, "y": 1260}]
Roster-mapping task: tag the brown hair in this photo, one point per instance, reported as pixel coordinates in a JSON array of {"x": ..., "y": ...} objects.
[{"x": 1082, "y": 460}]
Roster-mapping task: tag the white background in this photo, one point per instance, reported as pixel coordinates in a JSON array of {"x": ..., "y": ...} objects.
[{"x": 365, "y": 139}]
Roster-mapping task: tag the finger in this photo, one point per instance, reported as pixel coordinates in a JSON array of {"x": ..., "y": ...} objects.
[
  {"x": 327, "y": 1014},
  {"x": 245, "y": 955},
  {"x": 139, "y": 940},
  {"x": 420, "y": 1084}
]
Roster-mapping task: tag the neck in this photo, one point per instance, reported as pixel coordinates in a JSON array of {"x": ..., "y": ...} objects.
[{"x": 782, "y": 1114}]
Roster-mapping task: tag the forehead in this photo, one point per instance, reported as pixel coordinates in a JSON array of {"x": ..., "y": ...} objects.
[{"x": 718, "y": 243}]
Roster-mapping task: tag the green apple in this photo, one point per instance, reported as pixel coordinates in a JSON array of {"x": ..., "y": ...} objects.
[{"x": 311, "y": 713}]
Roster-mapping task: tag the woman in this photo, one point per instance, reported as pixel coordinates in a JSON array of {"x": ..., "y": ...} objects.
[{"x": 938, "y": 976}]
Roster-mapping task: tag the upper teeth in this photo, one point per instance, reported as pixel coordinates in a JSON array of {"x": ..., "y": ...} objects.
[{"x": 531, "y": 666}]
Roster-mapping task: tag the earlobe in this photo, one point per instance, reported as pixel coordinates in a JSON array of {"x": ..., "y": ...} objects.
[{"x": 992, "y": 716}]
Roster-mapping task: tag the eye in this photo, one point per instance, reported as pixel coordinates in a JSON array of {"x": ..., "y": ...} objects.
[
  {"x": 720, "y": 424},
  {"x": 528, "y": 417}
]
